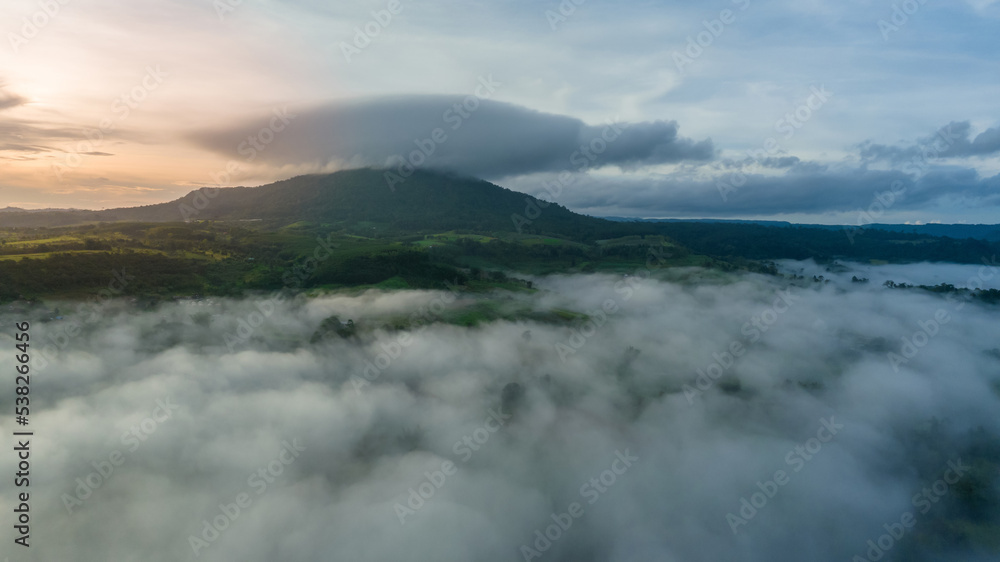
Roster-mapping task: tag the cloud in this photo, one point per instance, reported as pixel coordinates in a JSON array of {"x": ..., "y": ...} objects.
[
  {"x": 234, "y": 412},
  {"x": 779, "y": 161},
  {"x": 951, "y": 141},
  {"x": 808, "y": 188},
  {"x": 22, "y": 148},
  {"x": 10, "y": 100},
  {"x": 34, "y": 136},
  {"x": 28, "y": 136},
  {"x": 525, "y": 148},
  {"x": 485, "y": 138}
]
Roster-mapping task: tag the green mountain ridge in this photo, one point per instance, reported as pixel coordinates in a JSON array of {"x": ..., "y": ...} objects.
[
  {"x": 431, "y": 228},
  {"x": 425, "y": 202}
]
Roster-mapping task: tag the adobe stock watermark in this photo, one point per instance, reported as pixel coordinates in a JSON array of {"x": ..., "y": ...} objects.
[
  {"x": 796, "y": 459},
  {"x": 225, "y": 7},
  {"x": 131, "y": 439},
  {"x": 248, "y": 324},
  {"x": 421, "y": 318},
  {"x": 901, "y": 13},
  {"x": 598, "y": 318},
  {"x": 455, "y": 116},
  {"x": 562, "y": 13},
  {"x": 753, "y": 330},
  {"x": 883, "y": 200},
  {"x": 592, "y": 490},
  {"x": 584, "y": 158},
  {"x": 976, "y": 282},
  {"x": 923, "y": 501},
  {"x": 797, "y": 118},
  {"x": 292, "y": 279},
  {"x": 68, "y": 330},
  {"x": 464, "y": 447},
  {"x": 365, "y": 34},
  {"x": 911, "y": 346},
  {"x": 249, "y": 148},
  {"x": 919, "y": 164},
  {"x": 121, "y": 107},
  {"x": 704, "y": 39},
  {"x": 789, "y": 125},
  {"x": 259, "y": 480},
  {"x": 295, "y": 278},
  {"x": 33, "y": 24}
]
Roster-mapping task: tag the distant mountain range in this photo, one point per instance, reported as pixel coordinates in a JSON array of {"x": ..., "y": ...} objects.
[
  {"x": 426, "y": 201},
  {"x": 989, "y": 232},
  {"x": 46, "y": 210},
  {"x": 360, "y": 202}
]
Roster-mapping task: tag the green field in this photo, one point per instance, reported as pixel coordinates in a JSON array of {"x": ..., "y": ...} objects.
[{"x": 231, "y": 257}]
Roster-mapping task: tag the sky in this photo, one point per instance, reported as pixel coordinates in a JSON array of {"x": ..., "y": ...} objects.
[{"x": 849, "y": 112}]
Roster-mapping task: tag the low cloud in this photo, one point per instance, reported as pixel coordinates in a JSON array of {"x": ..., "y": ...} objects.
[
  {"x": 813, "y": 356},
  {"x": 801, "y": 188},
  {"x": 483, "y": 138},
  {"x": 954, "y": 140}
]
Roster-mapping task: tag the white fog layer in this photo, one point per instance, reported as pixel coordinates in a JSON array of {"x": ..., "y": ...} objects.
[{"x": 695, "y": 417}]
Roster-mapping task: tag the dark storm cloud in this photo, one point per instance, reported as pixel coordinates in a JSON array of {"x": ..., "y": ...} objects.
[
  {"x": 952, "y": 140},
  {"x": 476, "y": 136},
  {"x": 803, "y": 188},
  {"x": 779, "y": 161},
  {"x": 775, "y": 162}
]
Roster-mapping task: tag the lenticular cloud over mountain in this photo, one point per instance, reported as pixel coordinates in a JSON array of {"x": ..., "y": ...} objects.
[
  {"x": 691, "y": 416},
  {"x": 472, "y": 135}
]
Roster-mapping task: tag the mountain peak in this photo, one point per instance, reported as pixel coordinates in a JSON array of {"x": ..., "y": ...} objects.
[{"x": 424, "y": 201}]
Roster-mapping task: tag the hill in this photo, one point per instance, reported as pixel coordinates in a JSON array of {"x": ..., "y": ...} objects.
[
  {"x": 989, "y": 232},
  {"x": 352, "y": 199},
  {"x": 430, "y": 229}
]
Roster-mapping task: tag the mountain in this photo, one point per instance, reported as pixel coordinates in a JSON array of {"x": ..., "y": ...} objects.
[
  {"x": 360, "y": 203},
  {"x": 734, "y": 221},
  {"x": 989, "y": 232},
  {"x": 46, "y": 210},
  {"x": 361, "y": 200},
  {"x": 424, "y": 202},
  {"x": 430, "y": 229}
]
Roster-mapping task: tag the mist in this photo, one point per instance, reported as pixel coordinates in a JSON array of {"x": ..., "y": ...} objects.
[{"x": 246, "y": 430}]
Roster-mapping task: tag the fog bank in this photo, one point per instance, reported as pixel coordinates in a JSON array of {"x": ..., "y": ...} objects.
[{"x": 680, "y": 398}]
